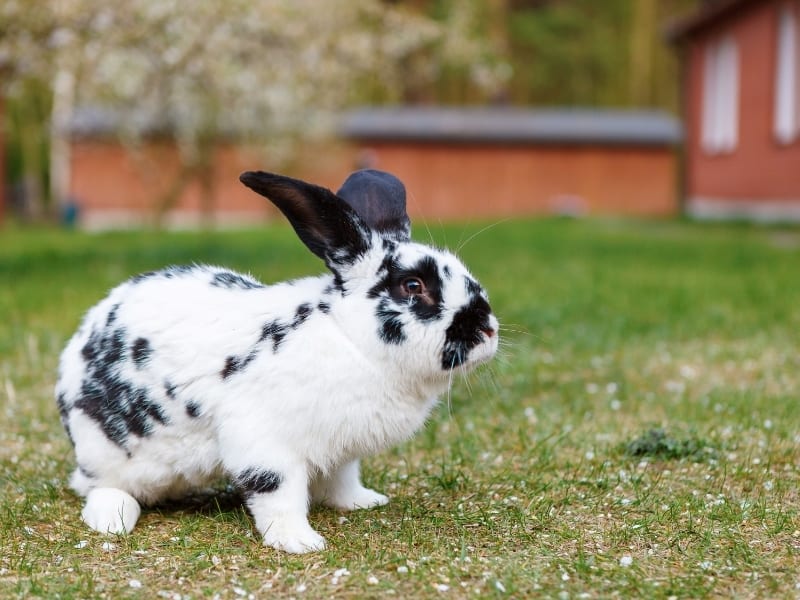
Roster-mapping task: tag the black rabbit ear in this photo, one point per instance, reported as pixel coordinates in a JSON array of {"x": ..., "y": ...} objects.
[
  {"x": 380, "y": 199},
  {"x": 327, "y": 225}
]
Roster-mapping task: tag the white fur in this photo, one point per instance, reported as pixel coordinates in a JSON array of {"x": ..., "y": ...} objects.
[{"x": 331, "y": 394}]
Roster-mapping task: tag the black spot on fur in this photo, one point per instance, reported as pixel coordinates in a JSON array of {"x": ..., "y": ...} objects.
[
  {"x": 86, "y": 472},
  {"x": 112, "y": 315},
  {"x": 142, "y": 276},
  {"x": 464, "y": 333},
  {"x": 229, "y": 280},
  {"x": 301, "y": 314},
  {"x": 338, "y": 282},
  {"x": 178, "y": 270},
  {"x": 473, "y": 289},
  {"x": 232, "y": 365},
  {"x": 120, "y": 407},
  {"x": 167, "y": 273},
  {"x": 391, "y": 327},
  {"x": 275, "y": 331},
  {"x": 271, "y": 329},
  {"x": 170, "y": 390},
  {"x": 193, "y": 409},
  {"x": 446, "y": 271},
  {"x": 254, "y": 481},
  {"x": 63, "y": 411},
  {"x": 141, "y": 351},
  {"x": 324, "y": 307}
]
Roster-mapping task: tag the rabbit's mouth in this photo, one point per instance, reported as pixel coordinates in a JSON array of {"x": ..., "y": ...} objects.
[{"x": 469, "y": 347}]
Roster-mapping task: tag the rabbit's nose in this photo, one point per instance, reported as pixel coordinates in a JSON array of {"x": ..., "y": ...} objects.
[{"x": 489, "y": 331}]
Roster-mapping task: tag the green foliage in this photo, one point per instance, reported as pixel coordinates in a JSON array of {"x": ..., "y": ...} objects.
[
  {"x": 582, "y": 52},
  {"x": 656, "y": 443}
]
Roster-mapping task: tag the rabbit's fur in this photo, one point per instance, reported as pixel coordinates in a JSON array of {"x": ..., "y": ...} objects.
[{"x": 189, "y": 374}]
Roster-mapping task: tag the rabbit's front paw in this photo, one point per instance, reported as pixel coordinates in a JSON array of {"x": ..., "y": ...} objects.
[
  {"x": 293, "y": 538},
  {"x": 110, "y": 510}
]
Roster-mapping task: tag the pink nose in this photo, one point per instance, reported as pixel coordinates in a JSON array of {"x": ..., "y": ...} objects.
[{"x": 488, "y": 331}]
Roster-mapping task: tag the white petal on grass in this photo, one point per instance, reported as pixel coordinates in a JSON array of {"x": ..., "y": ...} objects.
[
  {"x": 135, "y": 584},
  {"x": 626, "y": 561}
]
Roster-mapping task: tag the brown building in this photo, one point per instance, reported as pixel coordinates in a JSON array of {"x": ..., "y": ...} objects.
[
  {"x": 495, "y": 162},
  {"x": 456, "y": 164},
  {"x": 741, "y": 63}
]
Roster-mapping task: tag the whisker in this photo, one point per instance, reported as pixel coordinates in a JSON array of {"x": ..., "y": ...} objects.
[
  {"x": 420, "y": 209},
  {"x": 480, "y": 231}
]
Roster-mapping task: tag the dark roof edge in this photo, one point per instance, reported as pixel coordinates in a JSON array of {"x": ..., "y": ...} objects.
[
  {"x": 679, "y": 29},
  {"x": 513, "y": 126}
]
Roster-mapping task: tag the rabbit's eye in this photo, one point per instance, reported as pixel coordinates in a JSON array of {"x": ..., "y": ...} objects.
[{"x": 413, "y": 286}]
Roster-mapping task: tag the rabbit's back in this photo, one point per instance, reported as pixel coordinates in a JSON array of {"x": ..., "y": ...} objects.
[{"x": 141, "y": 380}]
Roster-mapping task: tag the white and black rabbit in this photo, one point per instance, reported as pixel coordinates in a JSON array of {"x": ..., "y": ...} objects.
[{"x": 189, "y": 374}]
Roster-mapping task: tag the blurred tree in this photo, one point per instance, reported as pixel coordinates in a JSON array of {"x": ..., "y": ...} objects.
[
  {"x": 583, "y": 52},
  {"x": 269, "y": 70}
]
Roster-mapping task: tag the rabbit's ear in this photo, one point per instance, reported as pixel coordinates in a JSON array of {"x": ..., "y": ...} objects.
[
  {"x": 325, "y": 223},
  {"x": 380, "y": 199}
]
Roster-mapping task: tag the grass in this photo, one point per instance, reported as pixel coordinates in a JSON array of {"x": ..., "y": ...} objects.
[{"x": 638, "y": 437}]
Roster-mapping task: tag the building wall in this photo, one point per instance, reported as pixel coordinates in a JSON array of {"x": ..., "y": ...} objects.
[
  {"x": 117, "y": 187},
  {"x": 470, "y": 180},
  {"x": 759, "y": 169}
]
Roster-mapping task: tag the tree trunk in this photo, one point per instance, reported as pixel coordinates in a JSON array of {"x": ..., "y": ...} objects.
[{"x": 60, "y": 151}]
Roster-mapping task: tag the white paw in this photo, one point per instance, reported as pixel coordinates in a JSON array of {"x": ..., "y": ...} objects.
[
  {"x": 109, "y": 510},
  {"x": 298, "y": 539},
  {"x": 355, "y": 499}
]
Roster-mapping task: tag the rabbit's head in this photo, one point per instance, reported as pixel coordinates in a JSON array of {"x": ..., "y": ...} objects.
[{"x": 415, "y": 303}]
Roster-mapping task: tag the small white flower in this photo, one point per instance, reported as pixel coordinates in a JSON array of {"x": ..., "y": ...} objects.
[
  {"x": 611, "y": 388},
  {"x": 768, "y": 424},
  {"x": 589, "y": 455},
  {"x": 626, "y": 561},
  {"x": 239, "y": 591},
  {"x": 135, "y": 584},
  {"x": 499, "y": 586},
  {"x": 615, "y": 404},
  {"x": 372, "y": 580},
  {"x": 108, "y": 546},
  {"x": 706, "y": 565},
  {"x": 81, "y": 544},
  {"x": 341, "y": 573},
  {"x": 402, "y": 569},
  {"x": 300, "y": 588},
  {"x": 565, "y": 576},
  {"x": 441, "y": 587},
  {"x": 768, "y": 485}
]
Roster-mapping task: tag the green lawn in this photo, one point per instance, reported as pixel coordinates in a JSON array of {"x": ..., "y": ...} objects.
[{"x": 639, "y": 436}]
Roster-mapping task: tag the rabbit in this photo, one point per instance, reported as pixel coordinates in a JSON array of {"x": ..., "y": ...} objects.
[{"x": 187, "y": 375}]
